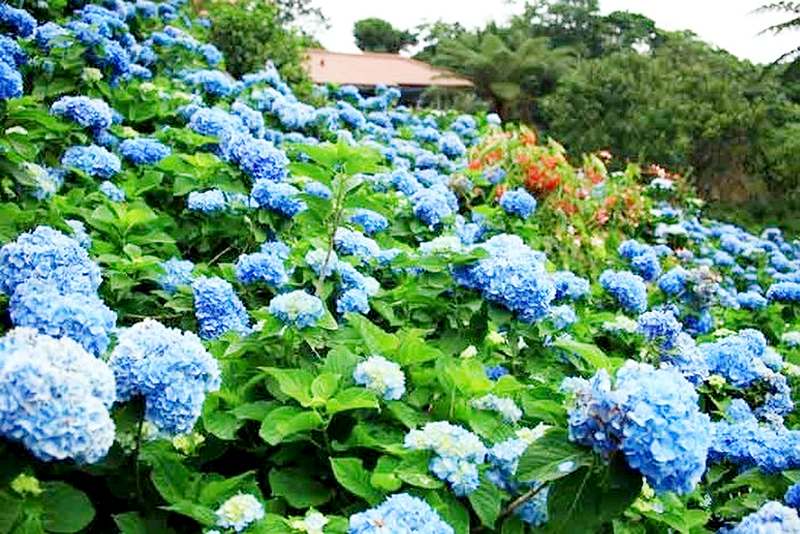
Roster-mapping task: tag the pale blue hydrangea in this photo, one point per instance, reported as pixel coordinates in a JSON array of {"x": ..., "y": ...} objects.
[
  {"x": 260, "y": 159},
  {"x": 318, "y": 190},
  {"x": 144, "y": 151},
  {"x": 45, "y": 181},
  {"x": 399, "y": 513},
  {"x": 297, "y": 308},
  {"x": 651, "y": 416},
  {"x": 457, "y": 454},
  {"x": 82, "y": 317},
  {"x": 251, "y": 118},
  {"x": 55, "y": 397},
  {"x": 433, "y": 205},
  {"x": 512, "y": 276},
  {"x": 562, "y": 317},
  {"x": 518, "y": 202},
  {"x": 353, "y": 300},
  {"x": 218, "y": 308},
  {"x": 351, "y": 242},
  {"x": 261, "y": 266},
  {"x": 176, "y": 273},
  {"x": 211, "y": 54},
  {"x": 627, "y": 288},
  {"x": 114, "y": 193},
  {"x": 371, "y": 221},
  {"x": 171, "y": 369},
  {"x": 784, "y": 292},
  {"x": 791, "y": 339},
  {"x": 569, "y": 286},
  {"x": 213, "y": 82},
  {"x": 772, "y": 518},
  {"x": 79, "y": 233},
  {"x": 279, "y": 197},
  {"x": 382, "y": 376},
  {"x": 92, "y": 160},
  {"x": 206, "y": 201},
  {"x": 239, "y": 511},
  {"x": 91, "y": 113},
  {"x": 506, "y": 407},
  {"x": 659, "y": 326},
  {"x": 49, "y": 256},
  {"x": 317, "y": 258}
]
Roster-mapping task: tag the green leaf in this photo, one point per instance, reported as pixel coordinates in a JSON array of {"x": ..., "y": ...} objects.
[
  {"x": 134, "y": 523},
  {"x": 413, "y": 350},
  {"x": 513, "y": 525},
  {"x": 224, "y": 425},
  {"x": 551, "y": 457},
  {"x": 340, "y": 361},
  {"x": 64, "y": 508},
  {"x": 295, "y": 383},
  {"x": 325, "y": 385},
  {"x": 487, "y": 501},
  {"x": 298, "y": 488},
  {"x": 213, "y": 492},
  {"x": 9, "y": 512},
  {"x": 376, "y": 340},
  {"x": 352, "y": 399},
  {"x": 591, "y": 354},
  {"x": 351, "y": 474},
  {"x": 585, "y": 500},
  {"x": 450, "y": 509},
  {"x": 203, "y": 515},
  {"x": 271, "y": 524},
  {"x": 285, "y": 421}
]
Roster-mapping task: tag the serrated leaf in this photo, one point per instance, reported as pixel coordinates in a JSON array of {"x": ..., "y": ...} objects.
[
  {"x": 551, "y": 457},
  {"x": 298, "y": 488},
  {"x": 286, "y": 421},
  {"x": 325, "y": 385},
  {"x": 351, "y": 474},
  {"x": 351, "y": 399},
  {"x": 487, "y": 501},
  {"x": 296, "y": 383}
]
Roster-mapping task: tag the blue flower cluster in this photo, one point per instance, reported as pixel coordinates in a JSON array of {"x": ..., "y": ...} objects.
[
  {"x": 206, "y": 201},
  {"x": 773, "y": 518},
  {"x": 382, "y": 376},
  {"x": 457, "y": 454},
  {"x": 506, "y": 407},
  {"x": 218, "y": 308},
  {"x": 55, "y": 397},
  {"x": 239, "y": 511},
  {"x": 371, "y": 221},
  {"x": 169, "y": 368},
  {"x": 569, "y": 286},
  {"x": 266, "y": 265},
  {"x": 297, "y": 308},
  {"x": 651, "y": 416},
  {"x": 399, "y": 513},
  {"x": 53, "y": 288},
  {"x": 643, "y": 259},
  {"x": 513, "y": 276},
  {"x": 92, "y": 160},
  {"x": 176, "y": 273},
  {"x": 114, "y": 193},
  {"x": 279, "y": 197},
  {"x": 143, "y": 151},
  {"x": 627, "y": 288},
  {"x": 660, "y": 326},
  {"x": 518, "y": 202},
  {"x": 562, "y": 317},
  {"x": 92, "y": 113}
]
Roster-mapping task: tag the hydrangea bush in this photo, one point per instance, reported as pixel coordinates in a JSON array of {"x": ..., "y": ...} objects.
[{"x": 225, "y": 309}]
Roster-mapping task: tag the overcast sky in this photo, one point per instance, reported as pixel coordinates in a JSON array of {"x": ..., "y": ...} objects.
[{"x": 728, "y": 24}]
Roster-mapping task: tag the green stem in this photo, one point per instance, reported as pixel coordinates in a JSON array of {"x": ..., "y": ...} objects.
[{"x": 338, "y": 209}]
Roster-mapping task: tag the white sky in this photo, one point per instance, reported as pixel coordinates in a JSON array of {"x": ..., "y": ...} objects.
[{"x": 728, "y": 24}]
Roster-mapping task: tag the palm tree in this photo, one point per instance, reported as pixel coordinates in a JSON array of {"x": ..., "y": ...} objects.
[
  {"x": 512, "y": 71},
  {"x": 793, "y": 10}
]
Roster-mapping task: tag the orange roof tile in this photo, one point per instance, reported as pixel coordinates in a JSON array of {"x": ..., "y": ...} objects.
[{"x": 373, "y": 68}]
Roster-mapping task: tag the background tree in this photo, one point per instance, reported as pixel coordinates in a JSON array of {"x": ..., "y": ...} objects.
[
  {"x": 792, "y": 9},
  {"x": 377, "y": 35}
]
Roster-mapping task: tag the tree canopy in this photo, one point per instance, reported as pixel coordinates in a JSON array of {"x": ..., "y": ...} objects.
[{"x": 377, "y": 35}]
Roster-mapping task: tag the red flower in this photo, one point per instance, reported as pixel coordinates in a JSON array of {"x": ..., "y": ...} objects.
[{"x": 475, "y": 164}]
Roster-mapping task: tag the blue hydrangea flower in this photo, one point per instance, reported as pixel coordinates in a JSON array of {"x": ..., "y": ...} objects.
[
  {"x": 432, "y": 205},
  {"x": 176, "y": 273},
  {"x": 750, "y": 300},
  {"x": 627, "y": 288},
  {"x": 519, "y": 202},
  {"x": 319, "y": 190},
  {"x": 239, "y": 511},
  {"x": 48, "y": 255},
  {"x": 79, "y": 233},
  {"x": 213, "y": 82},
  {"x": 171, "y": 369},
  {"x": 569, "y": 286},
  {"x": 562, "y": 316},
  {"x": 91, "y": 113},
  {"x": 350, "y": 242},
  {"x": 506, "y": 407},
  {"x": 218, "y": 308},
  {"x": 211, "y": 54},
  {"x": 534, "y": 511},
  {"x": 457, "y": 453},
  {"x": 92, "y": 160},
  {"x": 260, "y": 159},
  {"x": 297, "y": 308},
  {"x": 403, "y": 513},
  {"x": 46, "y": 181},
  {"x": 382, "y": 376},
  {"x": 371, "y": 221},
  {"x": 652, "y": 416},
  {"x": 49, "y": 32},
  {"x": 55, "y": 397},
  {"x": 352, "y": 300},
  {"x": 10, "y": 81},
  {"x": 206, "y": 201},
  {"x": 19, "y": 21},
  {"x": 261, "y": 266},
  {"x": 279, "y": 197},
  {"x": 79, "y": 316},
  {"x": 773, "y": 517},
  {"x": 252, "y": 119},
  {"x": 661, "y": 326},
  {"x": 114, "y": 193},
  {"x": 792, "y": 496},
  {"x": 738, "y": 357},
  {"x": 496, "y": 372},
  {"x": 144, "y": 151},
  {"x": 784, "y": 292},
  {"x": 512, "y": 276}
]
